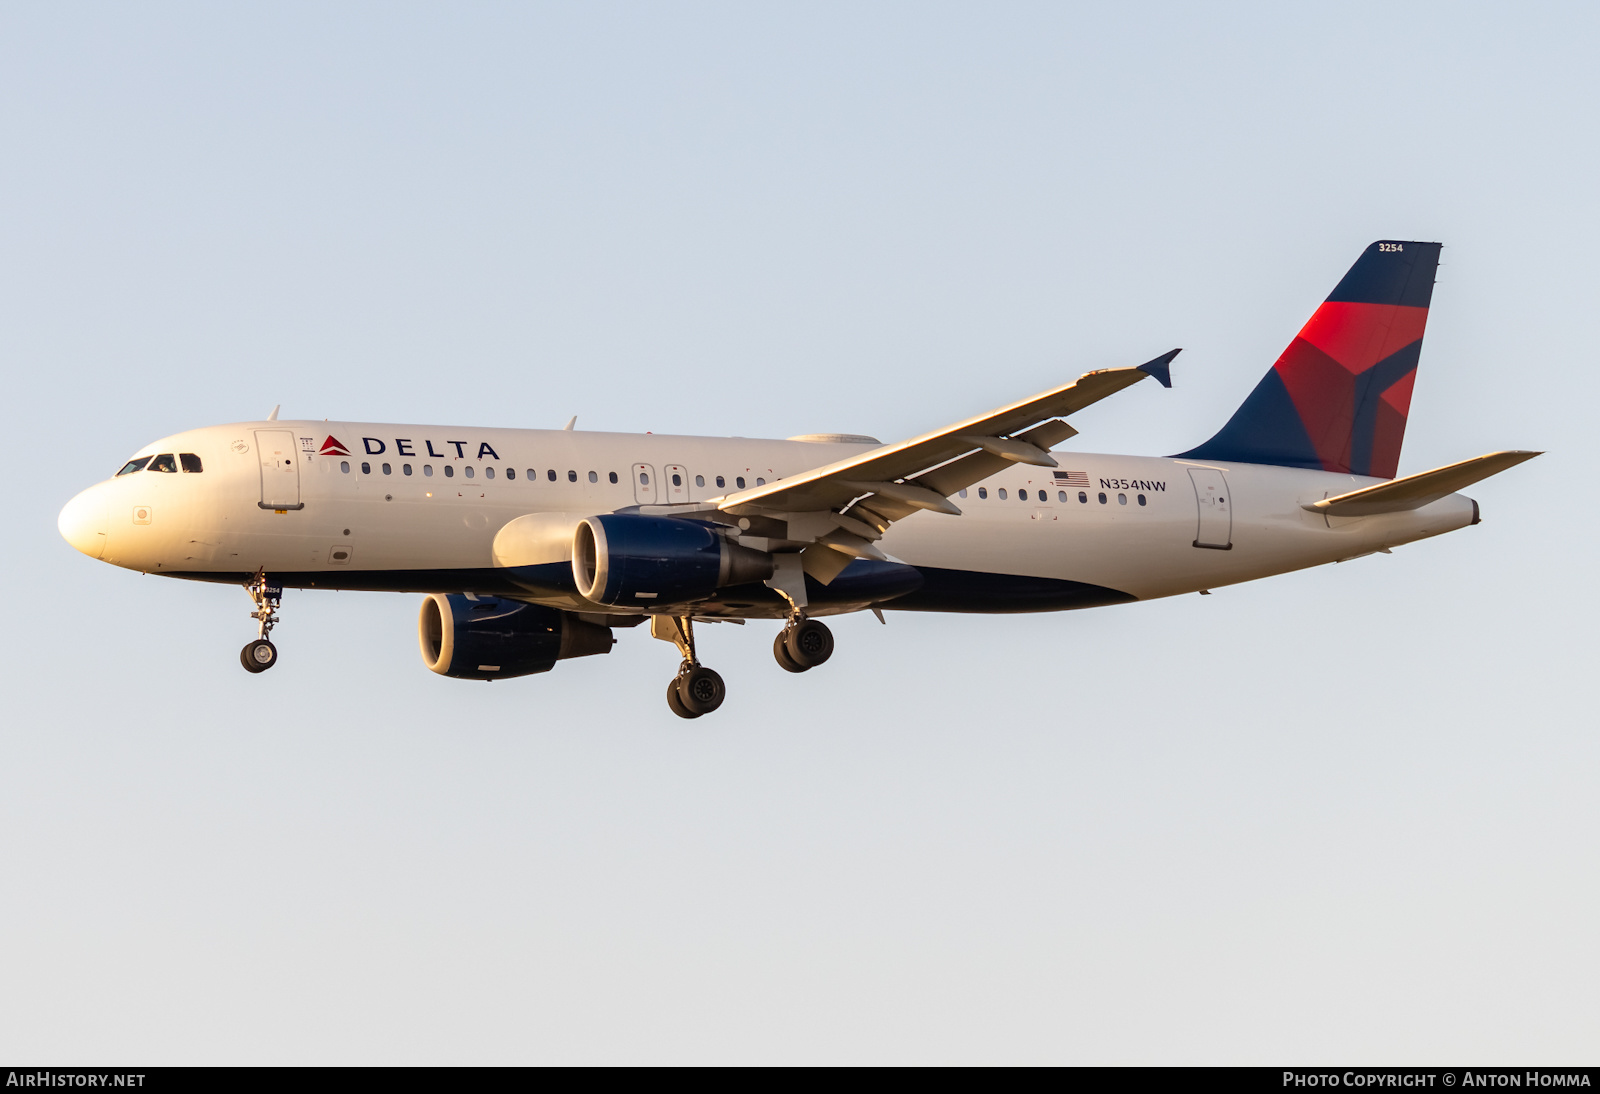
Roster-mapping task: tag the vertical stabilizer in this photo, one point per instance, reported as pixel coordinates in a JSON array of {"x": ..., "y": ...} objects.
[{"x": 1338, "y": 397}]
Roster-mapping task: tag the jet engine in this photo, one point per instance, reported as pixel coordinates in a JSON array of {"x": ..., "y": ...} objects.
[
  {"x": 634, "y": 560},
  {"x": 488, "y": 638}
]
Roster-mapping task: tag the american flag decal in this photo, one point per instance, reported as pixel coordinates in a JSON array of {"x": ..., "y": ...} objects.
[{"x": 1072, "y": 478}]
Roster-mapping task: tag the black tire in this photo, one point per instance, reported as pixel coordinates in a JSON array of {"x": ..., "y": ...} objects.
[
  {"x": 780, "y": 651},
  {"x": 701, "y": 690},
  {"x": 675, "y": 701},
  {"x": 810, "y": 643},
  {"x": 258, "y": 656}
]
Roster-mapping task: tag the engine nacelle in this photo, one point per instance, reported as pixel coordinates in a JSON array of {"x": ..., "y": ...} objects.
[
  {"x": 634, "y": 560},
  {"x": 490, "y": 638}
]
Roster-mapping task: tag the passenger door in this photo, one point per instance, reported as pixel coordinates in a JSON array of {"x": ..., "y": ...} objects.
[
  {"x": 280, "y": 469},
  {"x": 1215, "y": 528}
]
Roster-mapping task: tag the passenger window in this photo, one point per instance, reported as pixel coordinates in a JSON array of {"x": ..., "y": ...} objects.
[
  {"x": 133, "y": 465},
  {"x": 449, "y": 471},
  {"x": 190, "y": 462},
  {"x": 468, "y": 471},
  {"x": 739, "y": 482},
  {"x": 532, "y": 474},
  {"x": 1102, "y": 499},
  {"x": 699, "y": 480},
  {"x": 963, "y": 491},
  {"x": 1141, "y": 499},
  {"x": 551, "y": 474},
  {"x": 344, "y": 465},
  {"x": 511, "y": 472},
  {"x": 760, "y": 481},
  {"x": 366, "y": 468},
  {"x": 613, "y": 476},
  {"x": 677, "y": 479},
  {"x": 164, "y": 462},
  {"x": 488, "y": 472},
  {"x": 572, "y": 476},
  {"x": 593, "y": 477},
  {"x": 722, "y": 482},
  {"x": 1001, "y": 493},
  {"x": 1083, "y": 498},
  {"x": 427, "y": 470},
  {"x": 983, "y": 492},
  {"x": 405, "y": 468},
  {"x": 1022, "y": 495},
  {"x": 1122, "y": 499},
  {"x": 1061, "y": 495},
  {"x": 387, "y": 470}
]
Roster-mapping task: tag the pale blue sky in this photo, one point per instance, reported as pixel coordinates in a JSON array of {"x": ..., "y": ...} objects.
[{"x": 1344, "y": 815}]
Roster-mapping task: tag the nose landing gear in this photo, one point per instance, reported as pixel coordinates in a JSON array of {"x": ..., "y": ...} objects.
[
  {"x": 696, "y": 690},
  {"x": 261, "y": 655},
  {"x": 803, "y": 644}
]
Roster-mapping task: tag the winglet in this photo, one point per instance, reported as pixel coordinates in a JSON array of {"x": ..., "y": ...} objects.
[
  {"x": 274, "y": 415},
  {"x": 1161, "y": 367}
]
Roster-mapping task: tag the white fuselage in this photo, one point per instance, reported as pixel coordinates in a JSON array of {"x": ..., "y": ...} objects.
[{"x": 418, "y": 507}]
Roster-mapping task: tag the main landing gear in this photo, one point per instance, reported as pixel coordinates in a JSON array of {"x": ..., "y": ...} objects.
[
  {"x": 696, "y": 690},
  {"x": 803, "y": 644},
  {"x": 261, "y": 655}
]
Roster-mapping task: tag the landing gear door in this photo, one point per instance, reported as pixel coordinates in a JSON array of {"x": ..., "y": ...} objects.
[
  {"x": 1215, "y": 529},
  {"x": 644, "y": 484},
  {"x": 280, "y": 469}
]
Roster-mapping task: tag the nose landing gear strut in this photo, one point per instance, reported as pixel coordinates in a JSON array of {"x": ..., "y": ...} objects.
[{"x": 261, "y": 655}]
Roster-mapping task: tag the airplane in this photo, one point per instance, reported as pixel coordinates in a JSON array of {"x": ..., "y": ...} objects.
[{"x": 533, "y": 546}]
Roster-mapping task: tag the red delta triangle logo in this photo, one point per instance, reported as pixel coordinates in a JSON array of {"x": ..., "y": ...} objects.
[{"x": 332, "y": 447}]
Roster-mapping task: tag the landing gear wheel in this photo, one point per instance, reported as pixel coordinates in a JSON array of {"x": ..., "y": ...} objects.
[
  {"x": 701, "y": 690},
  {"x": 780, "y": 651},
  {"x": 675, "y": 701},
  {"x": 259, "y": 656},
  {"x": 809, "y": 643}
]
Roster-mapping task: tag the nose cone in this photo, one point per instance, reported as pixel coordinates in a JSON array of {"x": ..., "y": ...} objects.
[{"x": 83, "y": 522}]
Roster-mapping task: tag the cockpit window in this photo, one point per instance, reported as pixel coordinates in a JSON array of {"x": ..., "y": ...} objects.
[
  {"x": 164, "y": 462},
  {"x": 133, "y": 465},
  {"x": 191, "y": 462}
]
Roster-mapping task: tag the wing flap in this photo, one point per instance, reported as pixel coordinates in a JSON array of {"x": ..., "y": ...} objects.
[{"x": 1415, "y": 491}]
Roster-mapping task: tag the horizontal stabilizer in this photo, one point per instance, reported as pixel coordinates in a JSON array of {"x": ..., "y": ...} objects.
[{"x": 1415, "y": 491}]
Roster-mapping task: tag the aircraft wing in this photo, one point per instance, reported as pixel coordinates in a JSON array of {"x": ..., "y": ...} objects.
[{"x": 857, "y": 498}]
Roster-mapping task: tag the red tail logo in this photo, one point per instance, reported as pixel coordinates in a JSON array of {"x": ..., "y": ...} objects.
[
  {"x": 331, "y": 447},
  {"x": 1338, "y": 398}
]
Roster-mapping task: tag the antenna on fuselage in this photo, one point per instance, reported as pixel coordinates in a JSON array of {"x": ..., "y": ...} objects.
[
  {"x": 274, "y": 415},
  {"x": 571, "y": 422}
]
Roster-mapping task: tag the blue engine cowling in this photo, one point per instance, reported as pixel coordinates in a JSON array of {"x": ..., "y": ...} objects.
[
  {"x": 489, "y": 638},
  {"x": 635, "y": 560}
]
